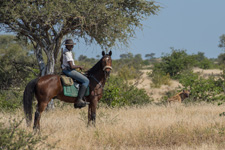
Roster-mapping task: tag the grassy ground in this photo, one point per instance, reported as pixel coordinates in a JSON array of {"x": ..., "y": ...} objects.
[{"x": 175, "y": 127}]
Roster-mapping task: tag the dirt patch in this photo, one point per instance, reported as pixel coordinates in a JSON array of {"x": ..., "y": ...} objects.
[
  {"x": 208, "y": 72},
  {"x": 156, "y": 93}
]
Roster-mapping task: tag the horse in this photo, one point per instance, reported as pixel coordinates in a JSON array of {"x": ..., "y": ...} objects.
[{"x": 50, "y": 87}]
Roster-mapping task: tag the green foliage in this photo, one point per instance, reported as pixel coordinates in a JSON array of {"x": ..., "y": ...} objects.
[
  {"x": 202, "y": 89},
  {"x": 14, "y": 138},
  {"x": 119, "y": 93},
  {"x": 202, "y": 62},
  {"x": 17, "y": 64},
  {"x": 179, "y": 61},
  {"x": 205, "y": 64},
  {"x": 17, "y": 67},
  {"x": 221, "y": 59},
  {"x": 222, "y": 41},
  {"x": 45, "y": 23},
  {"x": 10, "y": 100},
  {"x": 174, "y": 63}
]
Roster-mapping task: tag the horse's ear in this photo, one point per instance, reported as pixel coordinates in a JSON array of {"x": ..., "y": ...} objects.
[
  {"x": 110, "y": 53},
  {"x": 103, "y": 53}
]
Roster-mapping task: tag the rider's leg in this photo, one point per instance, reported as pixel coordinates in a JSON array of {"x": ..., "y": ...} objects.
[{"x": 84, "y": 84}]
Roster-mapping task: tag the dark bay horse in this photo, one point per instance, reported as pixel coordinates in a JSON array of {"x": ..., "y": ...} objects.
[{"x": 49, "y": 87}]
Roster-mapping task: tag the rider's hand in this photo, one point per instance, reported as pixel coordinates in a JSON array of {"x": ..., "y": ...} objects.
[{"x": 81, "y": 68}]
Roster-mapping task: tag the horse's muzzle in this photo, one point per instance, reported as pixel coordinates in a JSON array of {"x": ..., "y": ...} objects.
[{"x": 107, "y": 70}]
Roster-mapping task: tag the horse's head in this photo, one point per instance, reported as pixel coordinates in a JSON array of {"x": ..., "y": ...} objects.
[{"x": 107, "y": 63}]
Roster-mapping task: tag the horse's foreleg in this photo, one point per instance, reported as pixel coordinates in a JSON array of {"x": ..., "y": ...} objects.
[
  {"x": 92, "y": 112},
  {"x": 89, "y": 114},
  {"x": 40, "y": 108}
]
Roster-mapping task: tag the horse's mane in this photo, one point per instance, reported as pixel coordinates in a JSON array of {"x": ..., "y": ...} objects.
[{"x": 95, "y": 68}]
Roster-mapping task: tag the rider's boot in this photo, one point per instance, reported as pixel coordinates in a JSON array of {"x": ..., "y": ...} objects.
[{"x": 80, "y": 103}]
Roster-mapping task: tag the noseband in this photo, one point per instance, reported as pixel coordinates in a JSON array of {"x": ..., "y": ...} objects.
[{"x": 107, "y": 67}]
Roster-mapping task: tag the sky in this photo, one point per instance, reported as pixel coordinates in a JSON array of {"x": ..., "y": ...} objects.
[{"x": 191, "y": 25}]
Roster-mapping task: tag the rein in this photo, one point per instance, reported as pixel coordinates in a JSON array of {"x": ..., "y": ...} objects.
[
  {"x": 96, "y": 80},
  {"x": 106, "y": 67}
]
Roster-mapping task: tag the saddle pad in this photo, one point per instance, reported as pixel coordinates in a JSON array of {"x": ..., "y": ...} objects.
[{"x": 72, "y": 91}]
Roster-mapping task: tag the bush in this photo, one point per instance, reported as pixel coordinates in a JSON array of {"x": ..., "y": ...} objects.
[
  {"x": 205, "y": 64},
  {"x": 17, "y": 63},
  {"x": 221, "y": 59},
  {"x": 174, "y": 63},
  {"x": 202, "y": 89},
  {"x": 10, "y": 100},
  {"x": 14, "y": 138},
  {"x": 119, "y": 93}
]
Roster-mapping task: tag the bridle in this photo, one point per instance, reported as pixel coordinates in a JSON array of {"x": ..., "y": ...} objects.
[{"x": 107, "y": 67}]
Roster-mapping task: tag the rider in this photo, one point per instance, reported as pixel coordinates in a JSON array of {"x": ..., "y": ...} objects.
[{"x": 69, "y": 68}]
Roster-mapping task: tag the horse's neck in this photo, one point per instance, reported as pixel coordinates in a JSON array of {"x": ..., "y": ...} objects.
[
  {"x": 99, "y": 76},
  {"x": 97, "y": 73}
]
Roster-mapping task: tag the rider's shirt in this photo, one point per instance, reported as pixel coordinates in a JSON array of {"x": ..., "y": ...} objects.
[{"x": 67, "y": 56}]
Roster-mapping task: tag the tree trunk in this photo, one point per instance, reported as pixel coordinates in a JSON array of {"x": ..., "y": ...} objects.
[
  {"x": 50, "y": 70},
  {"x": 40, "y": 60},
  {"x": 50, "y": 63},
  {"x": 46, "y": 69}
]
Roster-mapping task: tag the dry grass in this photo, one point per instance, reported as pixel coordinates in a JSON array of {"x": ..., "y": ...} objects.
[{"x": 175, "y": 127}]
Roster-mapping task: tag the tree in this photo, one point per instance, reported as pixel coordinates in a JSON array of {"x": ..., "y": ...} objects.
[
  {"x": 200, "y": 56},
  {"x": 126, "y": 56},
  {"x": 45, "y": 23},
  {"x": 221, "y": 59},
  {"x": 82, "y": 58},
  {"x": 222, "y": 41},
  {"x": 174, "y": 63},
  {"x": 17, "y": 63},
  {"x": 150, "y": 56}
]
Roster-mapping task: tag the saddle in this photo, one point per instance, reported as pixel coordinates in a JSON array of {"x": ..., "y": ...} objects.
[{"x": 71, "y": 87}]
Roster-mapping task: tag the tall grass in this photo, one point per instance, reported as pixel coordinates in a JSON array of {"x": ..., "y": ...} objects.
[{"x": 149, "y": 127}]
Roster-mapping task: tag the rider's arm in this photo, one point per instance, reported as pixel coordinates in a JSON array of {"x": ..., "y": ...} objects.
[{"x": 74, "y": 66}]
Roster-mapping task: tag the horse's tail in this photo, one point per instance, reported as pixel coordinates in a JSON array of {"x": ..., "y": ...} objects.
[{"x": 28, "y": 96}]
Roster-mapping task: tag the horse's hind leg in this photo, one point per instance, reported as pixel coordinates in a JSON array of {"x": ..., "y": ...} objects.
[{"x": 40, "y": 108}]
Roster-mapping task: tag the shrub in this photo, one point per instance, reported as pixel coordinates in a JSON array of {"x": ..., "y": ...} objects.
[
  {"x": 202, "y": 89},
  {"x": 119, "y": 93},
  {"x": 10, "y": 100},
  {"x": 205, "y": 64},
  {"x": 202, "y": 61},
  {"x": 14, "y": 138},
  {"x": 174, "y": 63}
]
